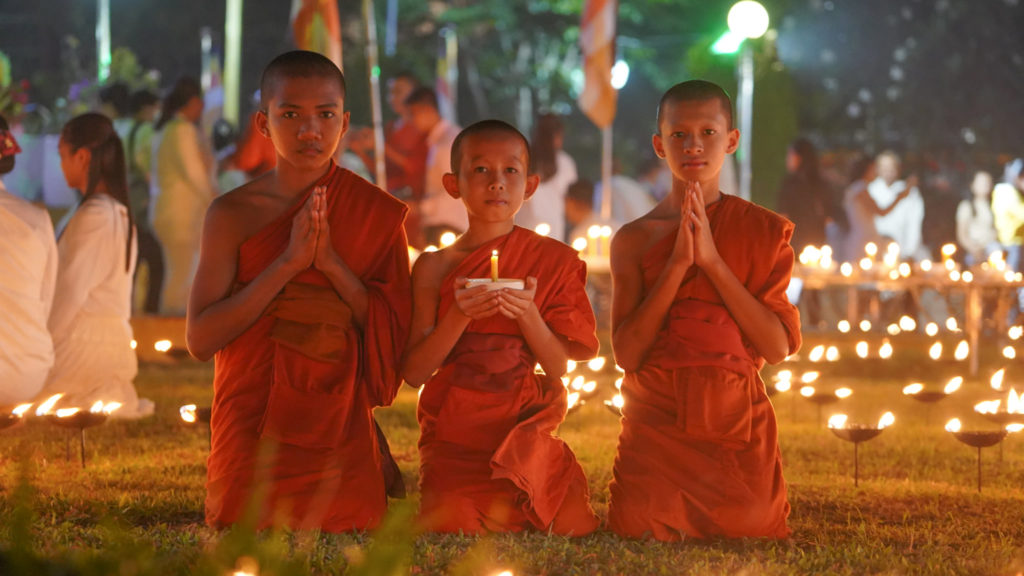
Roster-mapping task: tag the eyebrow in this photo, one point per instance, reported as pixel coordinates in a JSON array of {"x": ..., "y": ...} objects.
[{"x": 290, "y": 105}]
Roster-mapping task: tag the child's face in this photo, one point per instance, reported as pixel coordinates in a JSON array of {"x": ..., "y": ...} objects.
[
  {"x": 493, "y": 180},
  {"x": 693, "y": 138},
  {"x": 305, "y": 118},
  {"x": 75, "y": 165}
]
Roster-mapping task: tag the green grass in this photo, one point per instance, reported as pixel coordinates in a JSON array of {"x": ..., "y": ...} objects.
[{"x": 137, "y": 507}]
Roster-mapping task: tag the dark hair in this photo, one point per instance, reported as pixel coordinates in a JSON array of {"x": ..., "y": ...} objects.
[
  {"x": 106, "y": 164},
  {"x": 810, "y": 166},
  {"x": 184, "y": 90},
  {"x": 141, "y": 99},
  {"x": 118, "y": 96},
  {"x": 581, "y": 191},
  {"x": 298, "y": 64},
  {"x": 7, "y": 162},
  {"x": 543, "y": 160},
  {"x": 485, "y": 127},
  {"x": 422, "y": 95},
  {"x": 859, "y": 166},
  {"x": 693, "y": 90},
  {"x": 406, "y": 75}
]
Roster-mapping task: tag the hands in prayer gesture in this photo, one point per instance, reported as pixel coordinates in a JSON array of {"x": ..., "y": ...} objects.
[
  {"x": 310, "y": 243},
  {"x": 694, "y": 243}
]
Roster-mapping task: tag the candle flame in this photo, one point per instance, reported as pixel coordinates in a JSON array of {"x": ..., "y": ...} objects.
[
  {"x": 962, "y": 350},
  {"x": 543, "y": 229},
  {"x": 886, "y": 420},
  {"x": 1015, "y": 332},
  {"x": 1015, "y": 427},
  {"x": 572, "y": 399},
  {"x": 596, "y": 364},
  {"x": 893, "y": 329},
  {"x": 66, "y": 412},
  {"x": 843, "y": 393},
  {"x": 577, "y": 383},
  {"x": 967, "y": 276},
  {"x": 987, "y": 406},
  {"x": 885, "y": 351},
  {"x": 953, "y": 385},
  {"x": 866, "y": 264},
  {"x": 926, "y": 265},
  {"x": 430, "y": 248},
  {"x": 134, "y": 344},
  {"x": 904, "y": 269},
  {"x": 911, "y": 389},
  {"x": 618, "y": 383},
  {"x": 618, "y": 401},
  {"x": 784, "y": 375},
  {"x": 1009, "y": 352},
  {"x": 843, "y": 326},
  {"x": 832, "y": 354},
  {"x": 1014, "y": 402},
  {"x": 505, "y": 573},
  {"x": 594, "y": 232},
  {"x": 111, "y": 407},
  {"x": 579, "y": 244},
  {"x": 952, "y": 325},
  {"x": 931, "y": 329},
  {"x": 188, "y": 411},
  {"x": 948, "y": 250},
  {"x": 871, "y": 249},
  {"x": 162, "y": 345},
  {"x": 46, "y": 406},
  {"x": 862, "y": 349},
  {"x": 807, "y": 391},
  {"x": 817, "y": 353},
  {"x": 865, "y": 325},
  {"x": 448, "y": 238},
  {"x": 606, "y": 231},
  {"x": 570, "y": 366},
  {"x": 997, "y": 379},
  {"x": 96, "y": 407},
  {"x": 809, "y": 377},
  {"x": 907, "y": 323},
  {"x": 783, "y": 385},
  {"x": 20, "y": 409},
  {"x": 935, "y": 351},
  {"x": 953, "y": 425},
  {"x": 846, "y": 269},
  {"x": 589, "y": 386},
  {"x": 954, "y": 275},
  {"x": 837, "y": 421}
]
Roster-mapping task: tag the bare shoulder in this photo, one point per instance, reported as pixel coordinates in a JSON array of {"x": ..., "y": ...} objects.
[{"x": 636, "y": 237}]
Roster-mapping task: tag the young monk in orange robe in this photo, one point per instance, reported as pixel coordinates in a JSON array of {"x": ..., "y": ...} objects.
[
  {"x": 302, "y": 292},
  {"x": 699, "y": 306},
  {"x": 489, "y": 459}
]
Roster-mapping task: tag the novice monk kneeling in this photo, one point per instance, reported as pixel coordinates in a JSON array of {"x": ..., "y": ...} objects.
[
  {"x": 489, "y": 459},
  {"x": 302, "y": 292},
  {"x": 699, "y": 306}
]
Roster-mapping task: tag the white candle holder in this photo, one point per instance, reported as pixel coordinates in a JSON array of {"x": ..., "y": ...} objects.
[{"x": 510, "y": 283}]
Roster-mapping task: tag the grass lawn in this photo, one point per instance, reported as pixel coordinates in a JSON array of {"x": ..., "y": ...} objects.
[{"x": 137, "y": 507}]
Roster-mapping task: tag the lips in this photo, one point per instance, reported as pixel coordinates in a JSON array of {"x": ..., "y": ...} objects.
[{"x": 310, "y": 151}]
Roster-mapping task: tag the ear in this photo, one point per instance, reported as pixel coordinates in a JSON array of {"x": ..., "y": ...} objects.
[
  {"x": 532, "y": 181},
  {"x": 84, "y": 155},
  {"x": 262, "y": 123},
  {"x": 734, "y": 141},
  {"x": 344, "y": 124},
  {"x": 658, "y": 145},
  {"x": 451, "y": 184}
]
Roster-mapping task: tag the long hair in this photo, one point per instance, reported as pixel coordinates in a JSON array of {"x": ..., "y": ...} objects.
[
  {"x": 184, "y": 90},
  {"x": 543, "y": 158},
  {"x": 810, "y": 167},
  {"x": 106, "y": 164}
]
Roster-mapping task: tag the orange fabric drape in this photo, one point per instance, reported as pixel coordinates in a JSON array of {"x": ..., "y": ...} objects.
[
  {"x": 489, "y": 457},
  {"x": 698, "y": 452},
  {"x": 293, "y": 437}
]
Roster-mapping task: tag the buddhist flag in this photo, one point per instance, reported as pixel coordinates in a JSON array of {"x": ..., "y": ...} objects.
[
  {"x": 316, "y": 27},
  {"x": 597, "y": 41}
]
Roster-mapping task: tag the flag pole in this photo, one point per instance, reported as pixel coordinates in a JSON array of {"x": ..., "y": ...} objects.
[
  {"x": 373, "y": 70},
  {"x": 606, "y": 173},
  {"x": 232, "y": 59}
]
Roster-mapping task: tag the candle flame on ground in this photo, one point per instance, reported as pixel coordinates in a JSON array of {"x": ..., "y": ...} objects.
[
  {"x": 931, "y": 329},
  {"x": 809, "y": 377},
  {"x": 844, "y": 326},
  {"x": 596, "y": 364},
  {"x": 162, "y": 345},
  {"x": 807, "y": 391},
  {"x": 817, "y": 353},
  {"x": 952, "y": 325},
  {"x": 935, "y": 351},
  {"x": 832, "y": 354},
  {"x": 46, "y": 406},
  {"x": 1015, "y": 427},
  {"x": 907, "y": 323},
  {"x": 911, "y": 389},
  {"x": 953, "y": 425},
  {"x": 570, "y": 366},
  {"x": 962, "y": 350},
  {"x": 885, "y": 351},
  {"x": 188, "y": 412},
  {"x": 886, "y": 420},
  {"x": 997, "y": 379},
  {"x": 66, "y": 412},
  {"x": 862, "y": 349},
  {"x": 846, "y": 269},
  {"x": 579, "y": 244},
  {"x": 865, "y": 325},
  {"x": 837, "y": 421},
  {"x": 1009, "y": 352},
  {"x": 448, "y": 238},
  {"x": 543, "y": 229},
  {"x": 953, "y": 385},
  {"x": 20, "y": 410},
  {"x": 1015, "y": 332},
  {"x": 843, "y": 393}
]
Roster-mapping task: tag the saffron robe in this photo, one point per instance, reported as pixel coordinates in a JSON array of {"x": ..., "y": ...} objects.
[
  {"x": 698, "y": 452},
  {"x": 488, "y": 458},
  {"x": 293, "y": 440}
]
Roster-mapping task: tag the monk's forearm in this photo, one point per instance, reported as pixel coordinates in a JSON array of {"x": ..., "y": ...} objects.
[
  {"x": 211, "y": 329},
  {"x": 634, "y": 337},
  {"x": 426, "y": 352},
  {"x": 546, "y": 347},
  {"x": 349, "y": 287},
  {"x": 759, "y": 324}
]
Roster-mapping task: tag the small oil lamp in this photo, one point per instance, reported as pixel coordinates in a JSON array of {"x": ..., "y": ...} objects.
[
  {"x": 14, "y": 417},
  {"x": 78, "y": 419},
  {"x": 976, "y": 439},
  {"x": 857, "y": 433}
]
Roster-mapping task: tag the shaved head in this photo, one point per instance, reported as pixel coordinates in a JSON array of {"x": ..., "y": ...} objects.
[
  {"x": 486, "y": 128},
  {"x": 696, "y": 90},
  {"x": 297, "y": 64}
]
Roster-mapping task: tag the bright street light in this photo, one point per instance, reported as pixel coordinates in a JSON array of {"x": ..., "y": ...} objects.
[
  {"x": 747, "y": 19},
  {"x": 620, "y": 74}
]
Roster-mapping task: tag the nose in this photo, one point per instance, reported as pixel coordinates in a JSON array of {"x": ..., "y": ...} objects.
[
  {"x": 309, "y": 130},
  {"x": 693, "y": 144},
  {"x": 497, "y": 183}
]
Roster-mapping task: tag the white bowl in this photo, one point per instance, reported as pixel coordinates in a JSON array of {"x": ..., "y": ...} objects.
[{"x": 496, "y": 285}]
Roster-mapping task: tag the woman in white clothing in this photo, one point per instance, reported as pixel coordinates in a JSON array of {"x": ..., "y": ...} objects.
[
  {"x": 28, "y": 274},
  {"x": 185, "y": 186},
  {"x": 557, "y": 172},
  {"x": 96, "y": 259},
  {"x": 861, "y": 208},
  {"x": 975, "y": 223}
]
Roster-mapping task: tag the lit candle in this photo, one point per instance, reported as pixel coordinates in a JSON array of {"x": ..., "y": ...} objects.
[
  {"x": 606, "y": 240},
  {"x": 494, "y": 265}
]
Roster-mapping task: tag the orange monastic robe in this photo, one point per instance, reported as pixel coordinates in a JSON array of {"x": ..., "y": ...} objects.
[
  {"x": 294, "y": 442},
  {"x": 698, "y": 452},
  {"x": 489, "y": 457}
]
